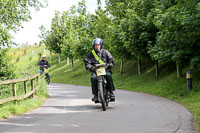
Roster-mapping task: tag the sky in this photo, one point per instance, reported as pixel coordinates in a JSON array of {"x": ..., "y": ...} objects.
[{"x": 30, "y": 30}]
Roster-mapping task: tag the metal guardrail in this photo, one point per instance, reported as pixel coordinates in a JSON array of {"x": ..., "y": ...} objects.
[{"x": 14, "y": 88}]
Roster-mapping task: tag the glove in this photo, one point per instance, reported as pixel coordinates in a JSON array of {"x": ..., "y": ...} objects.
[
  {"x": 92, "y": 69},
  {"x": 109, "y": 65}
]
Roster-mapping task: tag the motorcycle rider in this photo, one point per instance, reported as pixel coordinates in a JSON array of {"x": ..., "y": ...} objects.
[
  {"x": 43, "y": 64},
  {"x": 104, "y": 57}
]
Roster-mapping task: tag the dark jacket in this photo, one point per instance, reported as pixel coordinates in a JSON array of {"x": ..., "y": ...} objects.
[
  {"x": 43, "y": 64},
  {"x": 104, "y": 55}
]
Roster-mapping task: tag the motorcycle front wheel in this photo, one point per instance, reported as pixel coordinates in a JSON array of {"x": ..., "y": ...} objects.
[
  {"x": 47, "y": 78},
  {"x": 101, "y": 96},
  {"x": 48, "y": 81}
]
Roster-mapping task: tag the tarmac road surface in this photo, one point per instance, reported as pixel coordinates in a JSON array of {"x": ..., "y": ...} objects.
[{"x": 70, "y": 110}]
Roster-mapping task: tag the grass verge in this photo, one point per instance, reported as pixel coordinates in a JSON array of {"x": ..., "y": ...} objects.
[{"x": 10, "y": 109}]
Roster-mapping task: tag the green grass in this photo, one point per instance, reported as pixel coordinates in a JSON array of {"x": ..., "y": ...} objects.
[
  {"x": 62, "y": 73},
  {"x": 166, "y": 85},
  {"x": 25, "y": 66}
]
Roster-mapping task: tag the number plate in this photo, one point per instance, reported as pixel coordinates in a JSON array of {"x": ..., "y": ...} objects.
[{"x": 101, "y": 71}]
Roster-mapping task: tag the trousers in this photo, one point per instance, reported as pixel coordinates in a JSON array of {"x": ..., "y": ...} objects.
[{"x": 110, "y": 86}]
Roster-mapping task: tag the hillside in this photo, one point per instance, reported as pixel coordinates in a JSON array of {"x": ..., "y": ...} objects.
[{"x": 26, "y": 59}]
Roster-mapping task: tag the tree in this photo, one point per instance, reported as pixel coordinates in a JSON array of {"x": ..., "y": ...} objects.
[
  {"x": 178, "y": 36},
  {"x": 118, "y": 30},
  {"x": 53, "y": 38},
  {"x": 134, "y": 27},
  {"x": 12, "y": 14},
  {"x": 85, "y": 30}
]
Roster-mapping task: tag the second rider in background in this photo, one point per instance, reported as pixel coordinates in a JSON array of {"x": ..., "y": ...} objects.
[{"x": 43, "y": 64}]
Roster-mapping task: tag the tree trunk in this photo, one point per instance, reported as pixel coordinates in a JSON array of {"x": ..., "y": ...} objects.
[
  {"x": 85, "y": 70},
  {"x": 157, "y": 69},
  {"x": 72, "y": 64},
  {"x": 121, "y": 66},
  {"x": 50, "y": 55},
  {"x": 139, "y": 66},
  {"x": 67, "y": 60},
  {"x": 179, "y": 70},
  {"x": 59, "y": 58}
]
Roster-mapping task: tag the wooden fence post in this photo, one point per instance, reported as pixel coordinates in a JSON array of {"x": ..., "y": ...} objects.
[
  {"x": 32, "y": 86},
  {"x": 37, "y": 79},
  {"x": 25, "y": 87},
  {"x": 15, "y": 92},
  {"x": 36, "y": 82}
]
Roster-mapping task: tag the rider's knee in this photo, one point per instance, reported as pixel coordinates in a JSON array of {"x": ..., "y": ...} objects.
[
  {"x": 41, "y": 71},
  {"x": 109, "y": 75},
  {"x": 93, "y": 78}
]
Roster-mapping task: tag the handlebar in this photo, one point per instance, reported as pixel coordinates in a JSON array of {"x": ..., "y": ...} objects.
[
  {"x": 43, "y": 66},
  {"x": 100, "y": 65}
]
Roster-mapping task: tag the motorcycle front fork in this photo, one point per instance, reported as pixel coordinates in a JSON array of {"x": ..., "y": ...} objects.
[{"x": 106, "y": 92}]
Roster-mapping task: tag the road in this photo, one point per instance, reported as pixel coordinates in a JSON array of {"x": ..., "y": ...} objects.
[{"x": 70, "y": 110}]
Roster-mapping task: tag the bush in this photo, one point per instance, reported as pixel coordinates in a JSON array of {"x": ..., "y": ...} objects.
[{"x": 7, "y": 68}]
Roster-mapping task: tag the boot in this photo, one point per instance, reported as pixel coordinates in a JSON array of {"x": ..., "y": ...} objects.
[
  {"x": 112, "y": 97},
  {"x": 95, "y": 99}
]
